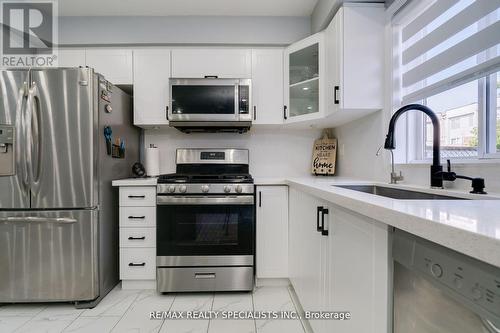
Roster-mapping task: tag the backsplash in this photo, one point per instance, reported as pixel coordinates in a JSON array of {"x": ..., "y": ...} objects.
[{"x": 274, "y": 153}]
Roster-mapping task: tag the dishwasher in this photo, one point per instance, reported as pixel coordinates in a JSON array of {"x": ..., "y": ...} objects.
[{"x": 438, "y": 290}]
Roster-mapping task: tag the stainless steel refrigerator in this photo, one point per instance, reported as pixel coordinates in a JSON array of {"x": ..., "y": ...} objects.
[{"x": 58, "y": 211}]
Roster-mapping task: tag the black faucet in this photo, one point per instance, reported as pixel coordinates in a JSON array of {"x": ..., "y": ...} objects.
[{"x": 437, "y": 173}]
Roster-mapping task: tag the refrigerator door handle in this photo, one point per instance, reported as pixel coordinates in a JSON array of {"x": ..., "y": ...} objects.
[
  {"x": 34, "y": 137},
  {"x": 22, "y": 114},
  {"x": 28, "y": 219}
]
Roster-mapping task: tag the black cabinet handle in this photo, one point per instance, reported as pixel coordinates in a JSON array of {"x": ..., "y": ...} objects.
[
  {"x": 254, "y": 112},
  {"x": 323, "y": 213},
  {"x": 166, "y": 112},
  {"x": 318, "y": 212},
  {"x": 260, "y": 198},
  {"x": 137, "y": 217},
  {"x": 136, "y": 196},
  {"x": 134, "y": 264},
  {"x": 211, "y": 76},
  {"x": 137, "y": 238},
  {"x": 335, "y": 97},
  {"x": 284, "y": 112}
]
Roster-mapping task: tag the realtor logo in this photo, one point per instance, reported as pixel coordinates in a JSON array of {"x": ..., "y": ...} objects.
[{"x": 28, "y": 33}]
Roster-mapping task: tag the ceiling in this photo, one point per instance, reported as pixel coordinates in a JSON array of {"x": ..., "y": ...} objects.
[{"x": 186, "y": 7}]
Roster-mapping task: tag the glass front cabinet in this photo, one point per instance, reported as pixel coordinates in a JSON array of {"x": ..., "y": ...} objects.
[{"x": 304, "y": 79}]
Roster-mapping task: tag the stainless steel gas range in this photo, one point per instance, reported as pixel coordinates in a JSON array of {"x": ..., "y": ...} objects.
[{"x": 206, "y": 223}]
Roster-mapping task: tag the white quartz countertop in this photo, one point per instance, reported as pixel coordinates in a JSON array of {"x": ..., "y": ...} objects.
[
  {"x": 471, "y": 227},
  {"x": 149, "y": 181}
]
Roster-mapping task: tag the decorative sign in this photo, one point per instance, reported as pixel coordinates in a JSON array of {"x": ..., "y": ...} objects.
[{"x": 324, "y": 156}]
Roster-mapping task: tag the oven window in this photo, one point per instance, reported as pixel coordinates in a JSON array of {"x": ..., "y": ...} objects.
[
  {"x": 203, "y": 99},
  {"x": 205, "y": 230}
]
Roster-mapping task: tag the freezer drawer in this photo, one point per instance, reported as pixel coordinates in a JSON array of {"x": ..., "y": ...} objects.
[{"x": 48, "y": 256}]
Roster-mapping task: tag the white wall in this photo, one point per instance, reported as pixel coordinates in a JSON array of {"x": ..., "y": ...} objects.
[
  {"x": 275, "y": 153},
  {"x": 135, "y": 30}
]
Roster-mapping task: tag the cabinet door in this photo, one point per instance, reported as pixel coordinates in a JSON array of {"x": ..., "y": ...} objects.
[
  {"x": 333, "y": 47},
  {"x": 267, "y": 86},
  {"x": 151, "y": 91},
  {"x": 304, "y": 73},
  {"x": 70, "y": 57},
  {"x": 272, "y": 232},
  {"x": 223, "y": 63},
  {"x": 307, "y": 254},
  {"x": 114, "y": 64},
  {"x": 358, "y": 273}
]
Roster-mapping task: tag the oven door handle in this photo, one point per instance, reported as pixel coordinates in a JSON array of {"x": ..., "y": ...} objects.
[{"x": 205, "y": 200}]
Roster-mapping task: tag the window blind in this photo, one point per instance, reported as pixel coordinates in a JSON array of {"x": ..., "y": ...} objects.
[{"x": 446, "y": 43}]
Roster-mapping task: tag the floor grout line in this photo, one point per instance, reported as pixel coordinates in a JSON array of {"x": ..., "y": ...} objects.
[
  {"x": 169, "y": 308},
  {"x": 295, "y": 307},
  {"x": 125, "y": 312},
  {"x": 253, "y": 308},
  {"x": 211, "y": 308}
]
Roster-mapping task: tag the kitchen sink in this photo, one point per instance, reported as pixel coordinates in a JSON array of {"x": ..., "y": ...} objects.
[{"x": 396, "y": 193}]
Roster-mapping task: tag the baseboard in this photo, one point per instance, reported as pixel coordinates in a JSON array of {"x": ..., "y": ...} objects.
[
  {"x": 272, "y": 282},
  {"x": 295, "y": 299},
  {"x": 139, "y": 284}
]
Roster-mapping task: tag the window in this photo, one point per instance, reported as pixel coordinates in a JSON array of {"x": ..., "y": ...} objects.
[{"x": 447, "y": 56}]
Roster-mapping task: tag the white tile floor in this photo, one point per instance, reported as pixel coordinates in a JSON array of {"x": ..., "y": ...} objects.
[{"x": 128, "y": 311}]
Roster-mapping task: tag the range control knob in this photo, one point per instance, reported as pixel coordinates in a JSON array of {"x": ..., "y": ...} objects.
[
  {"x": 476, "y": 294},
  {"x": 182, "y": 188},
  {"x": 239, "y": 188},
  {"x": 205, "y": 188},
  {"x": 227, "y": 188},
  {"x": 171, "y": 188},
  {"x": 436, "y": 270}
]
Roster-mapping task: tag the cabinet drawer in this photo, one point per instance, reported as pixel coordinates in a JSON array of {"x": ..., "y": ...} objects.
[
  {"x": 138, "y": 263},
  {"x": 138, "y": 237},
  {"x": 137, "y": 216},
  {"x": 138, "y": 196}
]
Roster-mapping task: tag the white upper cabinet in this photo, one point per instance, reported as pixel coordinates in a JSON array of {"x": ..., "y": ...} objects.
[
  {"x": 114, "y": 64},
  {"x": 267, "y": 86},
  {"x": 71, "y": 58},
  {"x": 304, "y": 79},
  {"x": 336, "y": 75},
  {"x": 355, "y": 65},
  {"x": 272, "y": 231},
  {"x": 215, "y": 62},
  {"x": 151, "y": 91}
]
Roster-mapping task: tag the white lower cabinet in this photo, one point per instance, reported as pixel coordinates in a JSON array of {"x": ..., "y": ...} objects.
[
  {"x": 345, "y": 270},
  {"x": 138, "y": 237},
  {"x": 272, "y": 231}
]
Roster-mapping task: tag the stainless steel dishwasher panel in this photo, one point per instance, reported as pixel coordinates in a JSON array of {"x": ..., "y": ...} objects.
[{"x": 438, "y": 290}]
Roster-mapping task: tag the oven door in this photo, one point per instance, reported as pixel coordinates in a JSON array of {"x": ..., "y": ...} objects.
[{"x": 205, "y": 230}]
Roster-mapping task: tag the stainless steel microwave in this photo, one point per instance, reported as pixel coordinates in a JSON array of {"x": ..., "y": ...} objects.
[{"x": 210, "y": 103}]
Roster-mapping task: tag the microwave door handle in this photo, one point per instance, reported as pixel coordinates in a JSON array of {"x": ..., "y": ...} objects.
[{"x": 237, "y": 101}]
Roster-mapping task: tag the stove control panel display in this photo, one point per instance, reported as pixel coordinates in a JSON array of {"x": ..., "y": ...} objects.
[{"x": 213, "y": 155}]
